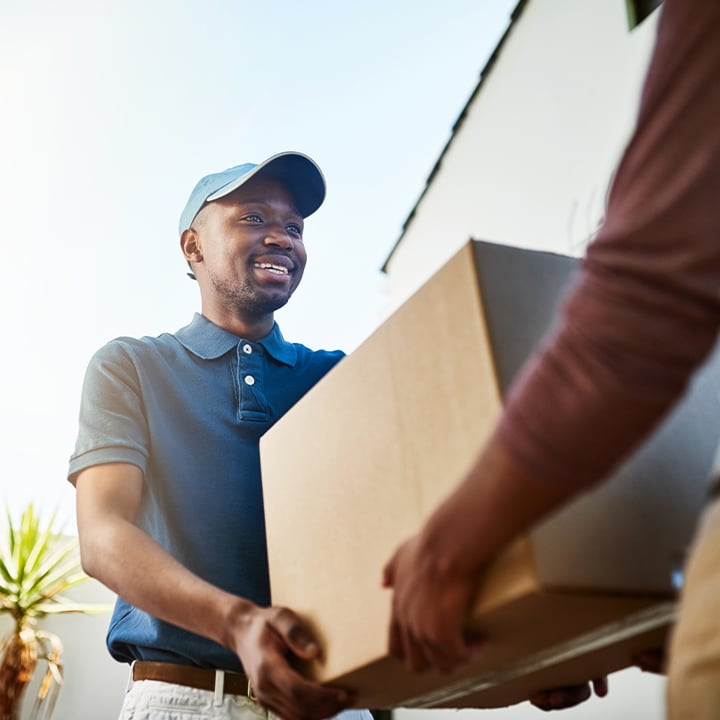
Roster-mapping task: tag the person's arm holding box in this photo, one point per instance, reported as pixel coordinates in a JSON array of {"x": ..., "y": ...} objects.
[{"x": 643, "y": 316}]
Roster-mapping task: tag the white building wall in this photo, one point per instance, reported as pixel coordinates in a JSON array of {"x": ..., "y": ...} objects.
[{"x": 531, "y": 162}]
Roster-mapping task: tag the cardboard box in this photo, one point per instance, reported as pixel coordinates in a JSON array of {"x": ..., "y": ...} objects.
[{"x": 360, "y": 462}]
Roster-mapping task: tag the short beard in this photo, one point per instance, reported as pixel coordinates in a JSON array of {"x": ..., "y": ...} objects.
[{"x": 245, "y": 300}]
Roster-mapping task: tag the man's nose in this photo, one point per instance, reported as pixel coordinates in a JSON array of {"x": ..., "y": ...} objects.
[{"x": 279, "y": 236}]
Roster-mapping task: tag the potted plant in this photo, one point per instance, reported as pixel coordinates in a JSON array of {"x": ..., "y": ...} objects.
[{"x": 37, "y": 565}]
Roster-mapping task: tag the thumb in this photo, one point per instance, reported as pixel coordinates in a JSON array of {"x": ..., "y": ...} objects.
[
  {"x": 297, "y": 634},
  {"x": 388, "y": 578}
]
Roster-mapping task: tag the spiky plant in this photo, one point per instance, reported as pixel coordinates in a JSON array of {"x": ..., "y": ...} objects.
[{"x": 37, "y": 565}]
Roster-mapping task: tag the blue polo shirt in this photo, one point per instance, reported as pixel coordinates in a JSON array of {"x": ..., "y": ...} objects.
[{"x": 189, "y": 409}]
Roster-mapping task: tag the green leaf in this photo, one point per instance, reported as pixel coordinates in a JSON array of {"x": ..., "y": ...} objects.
[
  {"x": 56, "y": 608},
  {"x": 37, "y": 565}
]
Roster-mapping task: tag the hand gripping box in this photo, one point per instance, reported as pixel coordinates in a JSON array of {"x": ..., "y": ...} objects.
[{"x": 356, "y": 466}]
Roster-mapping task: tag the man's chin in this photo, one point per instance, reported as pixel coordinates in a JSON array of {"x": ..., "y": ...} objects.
[{"x": 262, "y": 306}]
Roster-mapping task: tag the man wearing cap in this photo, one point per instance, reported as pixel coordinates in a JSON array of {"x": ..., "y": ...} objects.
[{"x": 167, "y": 468}]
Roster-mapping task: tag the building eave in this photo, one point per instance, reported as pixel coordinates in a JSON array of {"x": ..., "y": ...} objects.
[{"x": 514, "y": 15}]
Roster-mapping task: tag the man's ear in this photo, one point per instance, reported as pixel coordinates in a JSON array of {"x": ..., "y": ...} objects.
[{"x": 190, "y": 246}]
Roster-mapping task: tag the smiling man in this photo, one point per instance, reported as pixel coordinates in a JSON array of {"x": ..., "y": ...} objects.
[
  {"x": 167, "y": 467},
  {"x": 245, "y": 244}
]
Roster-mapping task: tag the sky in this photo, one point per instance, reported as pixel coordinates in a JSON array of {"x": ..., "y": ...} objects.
[{"x": 110, "y": 114}]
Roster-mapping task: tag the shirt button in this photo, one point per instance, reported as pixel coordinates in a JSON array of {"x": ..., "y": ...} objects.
[
  {"x": 249, "y": 380},
  {"x": 247, "y": 348}
]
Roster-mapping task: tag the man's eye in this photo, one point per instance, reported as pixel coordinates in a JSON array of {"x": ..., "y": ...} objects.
[
  {"x": 294, "y": 229},
  {"x": 253, "y": 218}
]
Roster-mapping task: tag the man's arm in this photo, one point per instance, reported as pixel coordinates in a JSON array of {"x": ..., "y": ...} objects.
[
  {"x": 442, "y": 564},
  {"x": 124, "y": 558}
]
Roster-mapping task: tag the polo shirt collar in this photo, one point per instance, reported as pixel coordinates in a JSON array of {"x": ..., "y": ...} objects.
[{"x": 209, "y": 341}]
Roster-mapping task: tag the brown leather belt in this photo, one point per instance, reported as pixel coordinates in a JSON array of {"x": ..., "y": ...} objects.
[
  {"x": 195, "y": 677},
  {"x": 714, "y": 489}
]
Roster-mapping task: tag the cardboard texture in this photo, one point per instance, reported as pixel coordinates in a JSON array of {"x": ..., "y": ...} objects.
[{"x": 357, "y": 465}]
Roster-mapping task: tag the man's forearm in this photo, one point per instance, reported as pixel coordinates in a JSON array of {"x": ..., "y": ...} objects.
[
  {"x": 646, "y": 310},
  {"x": 128, "y": 561},
  {"x": 496, "y": 501},
  {"x": 134, "y": 566}
]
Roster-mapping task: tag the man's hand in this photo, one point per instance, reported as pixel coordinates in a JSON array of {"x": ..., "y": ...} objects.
[
  {"x": 435, "y": 574},
  {"x": 566, "y": 697},
  {"x": 652, "y": 661},
  {"x": 431, "y": 602},
  {"x": 431, "y": 605},
  {"x": 266, "y": 641}
]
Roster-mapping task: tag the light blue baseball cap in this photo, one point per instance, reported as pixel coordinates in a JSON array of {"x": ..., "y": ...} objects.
[{"x": 298, "y": 172}]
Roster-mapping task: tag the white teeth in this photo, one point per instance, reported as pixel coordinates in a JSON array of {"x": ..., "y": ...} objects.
[{"x": 280, "y": 269}]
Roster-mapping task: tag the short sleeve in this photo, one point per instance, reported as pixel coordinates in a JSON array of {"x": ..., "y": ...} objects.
[{"x": 112, "y": 424}]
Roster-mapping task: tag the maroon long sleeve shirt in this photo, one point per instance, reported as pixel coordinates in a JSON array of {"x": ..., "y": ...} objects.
[{"x": 646, "y": 310}]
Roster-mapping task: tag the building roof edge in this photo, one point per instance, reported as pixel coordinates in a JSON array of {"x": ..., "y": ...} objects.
[{"x": 484, "y": 72}]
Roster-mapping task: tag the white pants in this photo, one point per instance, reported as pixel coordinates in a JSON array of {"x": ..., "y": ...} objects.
[{"x": 154, "y": 700}]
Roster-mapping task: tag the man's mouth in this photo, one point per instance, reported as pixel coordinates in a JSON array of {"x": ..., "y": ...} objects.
[{"x": 273, "y": 268}]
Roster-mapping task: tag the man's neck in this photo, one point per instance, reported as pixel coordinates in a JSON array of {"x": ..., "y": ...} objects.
[{"x": 247, "y": 328}]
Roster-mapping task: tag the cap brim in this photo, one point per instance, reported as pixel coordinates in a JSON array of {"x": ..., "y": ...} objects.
[{"x": 302, "y": 176}]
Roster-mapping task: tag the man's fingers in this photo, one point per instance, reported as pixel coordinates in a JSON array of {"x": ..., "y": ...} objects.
[
  {"x": 443, "y": 659},
  {"x": 415, "y": 657},
  {"x": 395, "y": 644},
  {"x": 651, "y": 661},
  {"x": 561, "y": 698},
  {"x": 292, "y": 697},
  {"x": 474, "y": 640},
  {"x": 388, "y": 577},
  {"x": 600, "y": 686},
  {"x": 304, "y": 709},
  {"x": 421, "y": 655},
  {"x": 442, "y": 650}
]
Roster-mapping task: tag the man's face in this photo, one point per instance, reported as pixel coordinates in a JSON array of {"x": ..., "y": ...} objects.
[{"x": 252, "y": 248}]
